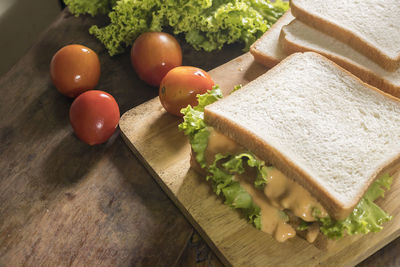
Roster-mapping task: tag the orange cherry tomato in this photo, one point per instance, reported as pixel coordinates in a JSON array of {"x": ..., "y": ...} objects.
[
  {"x": 94, "y": 116},
  {"x": 75, "y": 69},
  {"x": 181, "y": 85},
  {"x": 153, "y": 54}
]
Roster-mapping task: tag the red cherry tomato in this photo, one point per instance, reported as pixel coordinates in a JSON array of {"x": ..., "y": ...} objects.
[
  {"x": 75, "y": 69},
  {"x": 153, "y": 54},
  {"x": 94, "y": 116},
  {"x": 181, "y": 85}
]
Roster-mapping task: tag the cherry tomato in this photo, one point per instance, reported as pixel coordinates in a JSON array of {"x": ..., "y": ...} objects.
[
  {"x": 94, "y": 116},
  {"x": 153, "y": 54},
  {"x": 75, "y": 69},
  {"x": 181, "y": 85}
]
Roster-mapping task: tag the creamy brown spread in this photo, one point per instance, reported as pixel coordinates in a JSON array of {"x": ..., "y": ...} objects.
[
  {"x": 273, "y": 220},
  {"x": 219, "y": 143},
  {"x": 279, "y": 195}
]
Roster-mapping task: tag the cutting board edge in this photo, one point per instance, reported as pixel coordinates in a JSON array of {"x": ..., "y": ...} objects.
[{"x": 175, "y": 200}]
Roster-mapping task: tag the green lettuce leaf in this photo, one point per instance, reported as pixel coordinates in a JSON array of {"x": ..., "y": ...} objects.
[
  {"x": 218, "y": 176},
  {"x": 303, "y": 225},
  {"x": 377, "y": 189},
  {"x": 236, "y": 164},
  {"x": 210, "y": 97},
  {"x": 237, "y": 87},
  {"x": 366, "y": 217},
  {"x": 193, "y": 124},
  {"x": 238, "y": 198},
  {"x": 199, "y": 145},
  {"x": 91, "y": 7},
  {"x": 222, "y": 174},
  {"x": 222, "y": 171},
  {"x": 205, "y": 24},
  {"x": 129, "y": 19}
]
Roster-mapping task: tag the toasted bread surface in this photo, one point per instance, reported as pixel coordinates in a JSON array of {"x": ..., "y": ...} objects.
[
  {"x": 299, "y": 37},
  {"x": 317, "y": 123},
  {"x": 370, "y": 26}
]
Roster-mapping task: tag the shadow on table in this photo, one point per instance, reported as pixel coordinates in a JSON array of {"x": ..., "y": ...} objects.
[{"x": 164, "y": 231}]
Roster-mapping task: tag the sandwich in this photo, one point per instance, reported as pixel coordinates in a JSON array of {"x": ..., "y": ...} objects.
[
  {"x": 299, "y": 37},
  {"x": 369, "y": 26},
  {"x": 343, "y": 32},
  {"x": 304, "y": 149}
]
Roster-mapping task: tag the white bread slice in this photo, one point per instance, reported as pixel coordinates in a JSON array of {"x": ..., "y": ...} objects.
[
  {"x": 370, "y": 26},
  {"x": 299, "y": 37},
  {"x": 318, "y": 124},
  {"x": 266, "y": 50}
]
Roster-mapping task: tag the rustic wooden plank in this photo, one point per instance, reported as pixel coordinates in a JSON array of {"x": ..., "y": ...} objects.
[
  {"x": 166, "y": 153},
  {"x": 63, "y": 202},
  {"x": 198, "y": 254}
]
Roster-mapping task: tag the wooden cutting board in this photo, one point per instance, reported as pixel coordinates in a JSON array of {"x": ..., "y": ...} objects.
[{"x": 153, "y": 136}]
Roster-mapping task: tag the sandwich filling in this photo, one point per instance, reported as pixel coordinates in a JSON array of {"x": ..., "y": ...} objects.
[
  {"x": 280, "y": 197},
  {"x": 271, "y": 201}
]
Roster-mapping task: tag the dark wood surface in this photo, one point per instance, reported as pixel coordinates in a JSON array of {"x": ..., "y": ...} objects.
[{"x": 63, "y": 202}]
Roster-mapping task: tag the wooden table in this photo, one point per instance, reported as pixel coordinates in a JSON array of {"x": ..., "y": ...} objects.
[{"x": 63, "y": 202}]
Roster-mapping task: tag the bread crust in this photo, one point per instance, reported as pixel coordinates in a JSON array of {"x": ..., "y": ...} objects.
[
  {"x": 261, "y": 57},
  {"x": 360, "y": 71},
  {"x": 345, "y": 36},
  {"x": 264, "y": 59},
  {"x": 265, "y": 151}
]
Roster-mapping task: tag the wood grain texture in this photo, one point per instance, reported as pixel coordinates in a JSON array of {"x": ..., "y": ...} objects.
[
  {"x": 198, "y": 254},
  {"x": 156, "y": 140},
  {"x": 63, "y": 202}
]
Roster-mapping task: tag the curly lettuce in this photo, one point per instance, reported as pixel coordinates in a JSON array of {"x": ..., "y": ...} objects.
[
  {"x": 194, "y": 126},
  {"x": 224, "y": 168},
  {"x": 205, "y": 24},
  {"x": 366, "y": 217},
  {"x": 222, "y": 174},
  {"x": 91, "y": 7}
]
